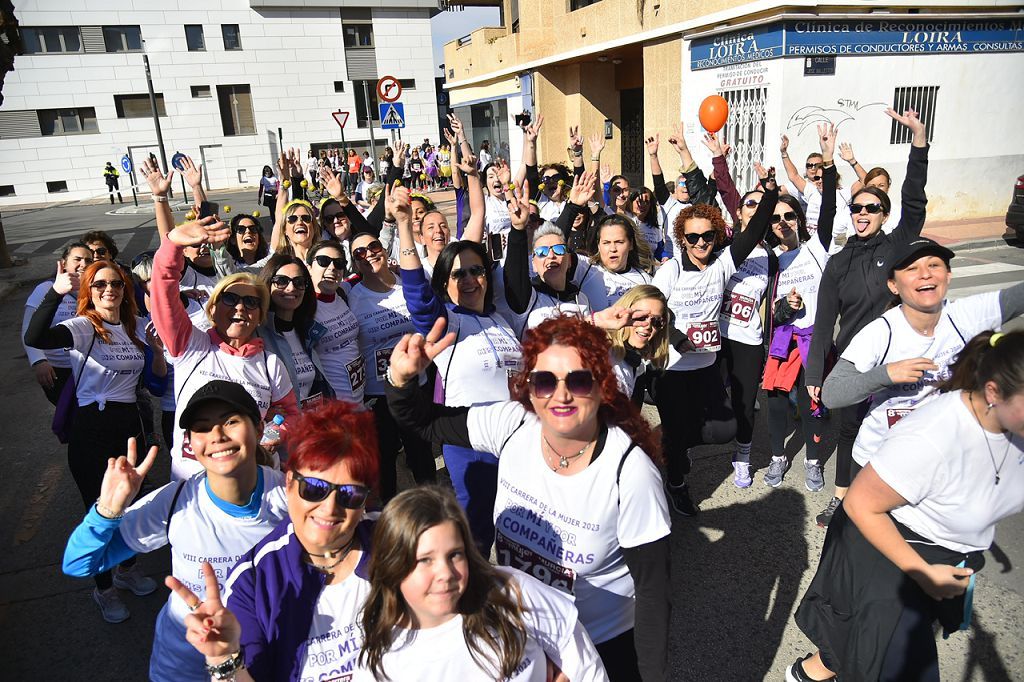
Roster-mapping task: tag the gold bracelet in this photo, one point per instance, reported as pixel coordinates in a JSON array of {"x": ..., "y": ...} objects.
[{"x": 159, "y": 197}]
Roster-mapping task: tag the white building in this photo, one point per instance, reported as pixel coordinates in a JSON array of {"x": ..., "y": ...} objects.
[{"x": 228, "y": 76}]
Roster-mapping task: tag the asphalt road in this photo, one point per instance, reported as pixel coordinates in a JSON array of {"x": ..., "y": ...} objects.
[{"x": 739, "y": 570}]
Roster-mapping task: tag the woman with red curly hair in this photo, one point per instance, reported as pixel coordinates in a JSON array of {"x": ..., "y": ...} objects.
[
  {"x": 568, "y": 443},
  {"x": 691, "y": 399}
]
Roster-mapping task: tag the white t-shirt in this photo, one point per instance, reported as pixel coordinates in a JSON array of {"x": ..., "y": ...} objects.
[
  {"x": 669, "y": 212},
  {"x": 652, "y": 234},
  {"x": 68, "y": 308},
  {"x": 548, "y": 208},
  {"x": 890, "y": 338},
  {"x": 695, "y": 298},
  {"x": 496, "y": 215},
  {"x": 202, "y": 531},
  {"x": 196, "y": 313},
  {"x": 441, "y": 653},
  {"x": 569, "y": 531},
  {"x": 802, "y": 269},
  {"x": 626, "y": 375},
  {"x": 193, "y": 279},
  {"x": 338, "y": 348},
  {"x": 544, "y": 306},
  {"x": 112, "y": 370},
  {"x": 305, "y": 371},
  {"x": 383, "y": 320},
  {"x": 477, "y": 368},
  {"x": 842, "y": 226},
  {"x": 335, "y": 637},
  {"x": 604, "y": 287},
  {"x": 939, "y": 460},
  {"x": 741, "y": 317}
]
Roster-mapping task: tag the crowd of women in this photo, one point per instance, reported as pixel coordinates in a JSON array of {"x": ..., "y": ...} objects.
[{"x": 518, "y": 337}]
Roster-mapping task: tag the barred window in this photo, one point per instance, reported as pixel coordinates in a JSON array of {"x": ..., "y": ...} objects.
[{"x": 921, "y": 99}]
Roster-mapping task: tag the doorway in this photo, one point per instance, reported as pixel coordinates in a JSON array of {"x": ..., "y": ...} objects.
[{"x": 631, "y": 126}]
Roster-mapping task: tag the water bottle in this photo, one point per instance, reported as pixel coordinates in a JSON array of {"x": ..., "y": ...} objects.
[{"x": 272, "y": 431}]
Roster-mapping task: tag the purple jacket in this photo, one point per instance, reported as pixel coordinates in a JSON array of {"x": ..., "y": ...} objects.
[{"x": 273, "y": 591}]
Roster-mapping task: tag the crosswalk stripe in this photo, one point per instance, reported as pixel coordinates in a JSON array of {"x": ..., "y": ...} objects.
[
  {"x": 984, "y": 269},
  {"x": 27, "y": 249}
]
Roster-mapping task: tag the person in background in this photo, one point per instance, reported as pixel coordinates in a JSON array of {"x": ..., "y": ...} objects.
[
  {"x": 101, "y": 244},
  {"x": 267, "y": 194},
  {"x": 110, "y": 175}
]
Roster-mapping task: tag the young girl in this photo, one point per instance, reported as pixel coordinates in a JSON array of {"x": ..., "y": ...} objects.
[{"x": 636, "y": 347}]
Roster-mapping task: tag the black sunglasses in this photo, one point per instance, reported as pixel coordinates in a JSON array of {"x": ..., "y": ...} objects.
[
  {"x": 255, "y": 229},
  {"x": 231, "y": 300},
  {"x": 101, "y": 251},
  {"x": 870, "y": 208},
  {"x": 304, "y": 217},
  {"x": 788, "y": 216},
  {"x": 362, "y": 251},
  {"x": 282, "y": 281},
  {"x": 751, "y": 203},
  {"x": 656, "y": 321},
  {"x": 543, "y": 251},
  {"x": 331, "y": 217},
  {"x": 693, "y": 237},
  {"x": 543, "y": 384},
  {"x": 814, "y": 166},
  {"x": 350, "y": 495},
  {"x": 325, "y": 261},
  {"x": 102, "y": 284},
  {"x": 472, "y": 271}
]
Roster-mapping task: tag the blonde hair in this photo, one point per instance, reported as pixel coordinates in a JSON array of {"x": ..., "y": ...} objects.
[
  {"x": 240, "y": 278},
  {"x": 283, "y": 245},
  {"x": 656, "y": 350}
]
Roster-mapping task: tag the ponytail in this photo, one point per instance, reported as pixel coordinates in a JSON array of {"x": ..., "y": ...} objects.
[{"x": 990, "y": 356}]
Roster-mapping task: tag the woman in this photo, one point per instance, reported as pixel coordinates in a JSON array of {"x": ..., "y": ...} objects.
[
  {"x": 553, "y": 190},
  {"x": 298, "y": 231},
  {"x": 645, "y": 212},
  {"x": 267, "y": 194},
  {"x": 568, "y": 445},
  {"x": 230, "y": 349},
  {"x": 438, "y": 611},
  {"x": 644, "y": 344},
  {"x": 414, "y": 170},
  {"x": 853, "y": 286},
  {"x": 905, "y": 545},
  {"x": 52, "y": 367},
  {"x": 353, "y": 163},
  {"x": 247, "y": 245},
  {"x": 312, "y": 168},
  {"x": 360, "y": 191},
  {"x": 444, "y": 166},
  {"x": 691, "y": 398},
  {"x": 101, "y": 244},
  {"x": 108, "y": 356},
  {"x": 614, "y": 268},
  {"x": 810, "y": 188},
  {"x": 379, "y": 305},
  {"x": 213, "y": 517},
  {"x": 290, "y": 609}
]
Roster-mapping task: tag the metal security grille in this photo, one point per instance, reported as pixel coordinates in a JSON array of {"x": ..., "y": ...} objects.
[
  {"x": 92, "y": 39},
  {"x": 921, "y": 99},
  {"x": 745, "y": 131},
  {"x": 15, "y": 124}
]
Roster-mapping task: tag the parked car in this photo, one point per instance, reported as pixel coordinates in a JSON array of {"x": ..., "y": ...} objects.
[{"x": 1015, "y": 214}]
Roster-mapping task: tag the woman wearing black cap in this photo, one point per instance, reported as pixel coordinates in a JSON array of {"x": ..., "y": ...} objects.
[{"x": 215, "y": 516}]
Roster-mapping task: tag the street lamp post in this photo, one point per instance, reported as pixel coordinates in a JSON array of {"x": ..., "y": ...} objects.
[{"x": 156, "y": 117}]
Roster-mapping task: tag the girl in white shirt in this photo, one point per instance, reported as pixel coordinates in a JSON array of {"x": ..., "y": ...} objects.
[{"x": 644, "y": 345}]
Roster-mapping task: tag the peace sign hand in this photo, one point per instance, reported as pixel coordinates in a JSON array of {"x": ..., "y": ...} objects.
[
  {"x": 211, "y": 628},
  {"x": 414, "y": 353},
  {"x": 122, "y": 480},
  {"x": 518, "y": 205},
  {"x": 65, "y": 282}
]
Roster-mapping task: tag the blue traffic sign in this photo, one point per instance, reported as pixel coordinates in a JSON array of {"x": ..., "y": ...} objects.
[
  {"x": 126, "y": 164},
  {"x": 177, "y": 161},
  {"x": 392, "y": 115}
]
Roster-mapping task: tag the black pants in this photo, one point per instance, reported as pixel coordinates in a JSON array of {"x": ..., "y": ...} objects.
[
  {"x": 742, "y": 366},
  {"x": 97, "y": 435},
  {"x": 694, "y": 410},
  {"x": 62, "y": 375},
  {"x": 778, "y": 420},
  {"x": 619, "y": 657},
  {"x": 419, "y": 456},
  {"x": 850, "y": 419}
]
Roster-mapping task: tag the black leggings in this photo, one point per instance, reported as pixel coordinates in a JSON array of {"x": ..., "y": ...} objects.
[
  {"x": 850, "y": 419},
  {"x": 742, "y": 366},
  {"x": 778, "y": 420},
  {"x": 419, "y": 455},
  {"x": 97, "y": 435},
  {"x": 694, "y": 410},
  {"x": 619, "y": 657}
]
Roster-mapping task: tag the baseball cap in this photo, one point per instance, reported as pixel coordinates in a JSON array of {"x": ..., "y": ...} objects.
[
  {"x": 906, "y": 254},
  {"x": 220, "y": 391}
]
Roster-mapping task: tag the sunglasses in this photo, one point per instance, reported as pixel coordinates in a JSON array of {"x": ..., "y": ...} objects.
[
  {"x": 815, "y": 178},
  {"x": 326, "y": 261},
  {"x": 282, "y": 281},
  {"x": 543, "y": 251},
  {"x": 813, "y": 166},
  {"x": 362, "y": 251},
  {"x": 231, "y": 300},
  {"x": 102, "y": 284},
  {"x": 296, "y": 217},
  {"x": 551, "y": 181},
  {"x": 656, "y": 321},
  {"x": 472, "y": 271},
  {"x": 788, "y": 216},
  {"x": 870, "y": 208},
  {"x": 692, "y": 237},
  {"x": 543, "y": 384},
  {"x": 102, "y": 251},
  {"x": 331, "y": 217},
  {"x": 751, "y": 203},
  {"x": 350, "y": 495},
  {"x": 242, "y": 229}
]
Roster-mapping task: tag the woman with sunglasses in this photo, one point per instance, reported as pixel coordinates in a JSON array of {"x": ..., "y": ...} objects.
[
  {"x": 691, "y": 398},
  {"x": 580, "y": 504},
  {"x": 643, "y": 345},
  {"x": 215, "y": 516},
  {"x": 290, "y": 608},
  {"x": 643, "y": 211},
  {"x": 247, "y": 245},
  {"x": 108, "y": 354},
  {"x": 101, "y": 244},
  {"x": 854, "y": 284},
  {"x": 615, "y": 267},
  {"x": 811, "y": 189}
]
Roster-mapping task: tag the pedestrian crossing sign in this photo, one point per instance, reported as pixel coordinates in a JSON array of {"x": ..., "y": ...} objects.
[{"x": 392, "y": 115}]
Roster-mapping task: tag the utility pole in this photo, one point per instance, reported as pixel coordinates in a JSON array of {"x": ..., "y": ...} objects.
[
  {"x": 369, "y": 118},
  {"x": 156, "y": 117}
]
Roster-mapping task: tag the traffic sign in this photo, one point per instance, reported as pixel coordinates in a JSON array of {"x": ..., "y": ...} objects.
[
  {"x": 392, "y": 116},
  {"x": 178, "y": 162},
  {"x": 389, "y": 89},
  {"x": 126, "y": 164},
  {"x": 340, "y": 117}
]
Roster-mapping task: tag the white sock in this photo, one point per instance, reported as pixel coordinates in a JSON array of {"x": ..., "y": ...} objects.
[{"x": 778, "y": 459}]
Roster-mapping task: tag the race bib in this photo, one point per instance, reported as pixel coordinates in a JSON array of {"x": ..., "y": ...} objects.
[
  {"x": 382, "y": 358},
  {"x": 357, "y": 372},
  {"x": 312, "y": 402},
  {"x": 893, "y": 415},
  {"x": 511, "y": 553},
  {"x": 186, "y": 446},
  {"x": 739, "y": 307},
  {"x": 704, "y": 336}
]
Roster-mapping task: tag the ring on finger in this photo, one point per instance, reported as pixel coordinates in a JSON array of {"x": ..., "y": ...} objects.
[{"x": 194, "y": 606}]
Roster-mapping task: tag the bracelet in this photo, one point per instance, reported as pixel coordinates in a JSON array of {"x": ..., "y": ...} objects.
[
  {"x": 595, "y": 159},
  {"x": 108, "y": 513},
  {"x": 852, "y": 163},
  {"x": 159, "y": 197},
  {"x": 226, "y": 669},
  {"x": 578, "y": 153},
  {"x": 785, "y": 155},
  {"x": 408, "y": 252},
  {"x": 828, "y": 164}
]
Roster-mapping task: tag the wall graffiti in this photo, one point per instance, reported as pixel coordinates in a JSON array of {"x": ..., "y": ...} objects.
[{"x": 844, "y": 110}]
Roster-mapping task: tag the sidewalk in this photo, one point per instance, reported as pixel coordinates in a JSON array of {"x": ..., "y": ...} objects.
[{"x": 976, "y": 232}]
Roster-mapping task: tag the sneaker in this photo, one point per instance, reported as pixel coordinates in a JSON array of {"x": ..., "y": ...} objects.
[
  {"x": 825, "y": 516},
  {"x": 133, "y": 579},
  {"x": 776, "y": 470},
  {"x": 111, "y": 606},
  {"x": 795, "y": 672},
  {"x": 741, "y": 474},
  {"x": 813, "y": 477},
  {"x": 679, "y": 498}
]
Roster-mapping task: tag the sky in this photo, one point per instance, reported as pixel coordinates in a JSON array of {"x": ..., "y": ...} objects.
[{"x": 448, "y": 26}]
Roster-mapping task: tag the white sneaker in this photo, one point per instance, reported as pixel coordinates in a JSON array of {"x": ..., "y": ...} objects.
[
  {"x": 133, "y": 579},
  {"x": 111, "y": 606}
]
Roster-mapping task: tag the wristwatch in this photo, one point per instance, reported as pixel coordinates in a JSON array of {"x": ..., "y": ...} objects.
[{"x": 226, "y": 670}]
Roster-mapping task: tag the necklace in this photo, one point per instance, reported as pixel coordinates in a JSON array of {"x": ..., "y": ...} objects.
[
  {"x": 1009, "y": 441},
  {"x": 344, "y": 551},
  {"x": 563, "y": 461}
]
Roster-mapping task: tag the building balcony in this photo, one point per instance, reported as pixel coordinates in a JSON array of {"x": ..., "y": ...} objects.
[{"x": 486, "y": 49}]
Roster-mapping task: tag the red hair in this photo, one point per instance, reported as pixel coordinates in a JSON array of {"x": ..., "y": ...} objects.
[
  {"x": 335, "y": 431},
  {"x": 705, "y": 211},
  {"x": 128, "y": 309},
  {"x": 594, "y": 348}
]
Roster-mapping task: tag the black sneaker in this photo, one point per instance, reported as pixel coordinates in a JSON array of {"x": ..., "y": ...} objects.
[
  {"x": 679, "y": 498},
  {"x": 825, "y": 517},
  {"x": 795, "y": 672}
]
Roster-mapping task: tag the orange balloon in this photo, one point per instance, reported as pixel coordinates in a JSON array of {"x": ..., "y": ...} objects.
[{"x": 714, "y": 111}]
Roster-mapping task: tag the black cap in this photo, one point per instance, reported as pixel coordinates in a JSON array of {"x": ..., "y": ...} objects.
[
  {"x": 906, "y": 254},
  {"x": 223, "y": 392}
]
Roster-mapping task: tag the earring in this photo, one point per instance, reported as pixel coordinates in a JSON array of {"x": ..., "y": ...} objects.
[{"x": 990, "y": 406}]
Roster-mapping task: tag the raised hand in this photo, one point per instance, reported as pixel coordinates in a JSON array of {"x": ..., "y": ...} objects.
[
  {"x": 159, "y": 184},
  {"x": 122, "y": 480},
  {"x": 582, "y": 188},
  {"x": 193, "y": 173},
  {"x": 456, "y": 125},
  {"x": 401, "y": 147},
  {"x": 827, "y": 140},
  {"x": 652, "y": 144},
  {"x": 533, "y": 130},
  {"x": 203, "y": 231},
  {"x": 415, "y": 352},
  {"x": 846, "y": 152},
  {"x": 398, "y": 201},
  {"x": 606, "y": 173},
  {"x": 726, "y": 149},
  {"x": 282, "y": 165},
  {"x": 762, "y": 172},
  {"x": 596, "y": 145},
  {"x": 909, "y": 371},
  {"x": 911, "y": 120},
  {"x": 211, "y": 628},
  {"x": 295, "y": 159},
  {"x": 504, "y": 172},
  {"x": 678, "y": 140},
  {"x": 714, "y": 144},
  {"x": 331, "y": 181},
  {"x": 450, "y": 136},
  {"x": 153, "y": 339},
  {"x": 518, "y": 205},
  {"x": 467, "y": 164},
  {"x": 783, "y": 145},
  {"x": 65, "y": 282},
  {"x": 575, "y": 139}
]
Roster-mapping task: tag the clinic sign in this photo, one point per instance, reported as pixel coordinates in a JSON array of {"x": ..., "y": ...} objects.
[{"x": 857, "y": 38}]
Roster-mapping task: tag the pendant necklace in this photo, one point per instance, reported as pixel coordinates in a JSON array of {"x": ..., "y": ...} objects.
[
  {"x": 563, "y": 461},
  {"x": 989, "y": 445},
  {"x": 344, "y": 551}
]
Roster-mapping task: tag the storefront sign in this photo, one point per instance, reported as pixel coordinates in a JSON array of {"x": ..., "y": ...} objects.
[{"x": 763, "y": 42}]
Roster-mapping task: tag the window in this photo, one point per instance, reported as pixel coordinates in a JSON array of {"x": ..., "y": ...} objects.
[
  {"x": 357, "y": 88},
  {"x": 122, "y": 38},
  {"x": 6, "y": 190},
  {"x": 339, "y": 86},
  {"x": 921, "y": 99},
  {"x": 194, "y": 37},
  {"x": 580, "y": 4},
  {"x": 138, "y": 106},
  {"x": 236, "y": 109},
  {"x": 50, "y": 39},
  {"x": 408, "y": 83},
  {"x": 232, "y": 37},
  {"x": 201, "y": 91},
  {"x": 57, "y": 186},
  {"x": 67, "y": 121},
  {"x": 358, "y": 35}
]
